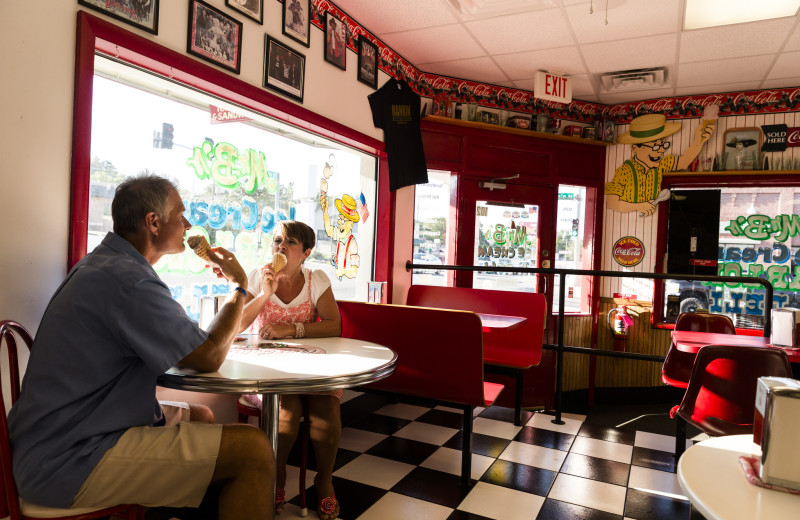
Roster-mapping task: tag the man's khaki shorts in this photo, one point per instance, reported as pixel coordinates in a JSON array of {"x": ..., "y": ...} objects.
[{"x": 167, "y": 466}]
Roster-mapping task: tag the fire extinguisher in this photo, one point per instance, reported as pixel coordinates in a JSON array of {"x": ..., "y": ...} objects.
[{"x": 619, "y": 329}]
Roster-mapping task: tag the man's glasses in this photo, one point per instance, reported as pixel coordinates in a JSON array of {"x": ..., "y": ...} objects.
[{"x": 657, "y": 147}]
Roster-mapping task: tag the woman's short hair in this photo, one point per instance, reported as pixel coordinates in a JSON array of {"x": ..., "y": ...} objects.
[
  {"x": 299, "y": 231},
  {"x": 135, "y": 197}
]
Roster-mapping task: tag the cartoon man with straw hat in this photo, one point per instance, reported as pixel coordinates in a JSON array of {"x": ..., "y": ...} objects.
[
  {"x": 345, "y": 255},
  {"x": 636, "y": 185}
]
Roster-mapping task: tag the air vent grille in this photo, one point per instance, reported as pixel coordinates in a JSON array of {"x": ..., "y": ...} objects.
[{"x": 639, "y": 79}]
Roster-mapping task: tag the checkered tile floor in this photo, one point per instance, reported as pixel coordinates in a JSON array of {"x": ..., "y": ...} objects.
[{"x": 402, "y": 460}]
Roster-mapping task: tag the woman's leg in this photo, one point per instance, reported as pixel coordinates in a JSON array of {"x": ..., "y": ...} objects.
[
  {"x": 288, "y": 426},
  {"x": 326, "y": 429}
]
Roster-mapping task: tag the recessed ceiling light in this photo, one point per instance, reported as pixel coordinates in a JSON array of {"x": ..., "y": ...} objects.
[{"x": 711, "y": 13}]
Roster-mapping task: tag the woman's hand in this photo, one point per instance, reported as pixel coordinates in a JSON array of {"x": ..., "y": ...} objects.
[
  {"x": 269, "y": 281},
  {"x": 276, "y": 331}
]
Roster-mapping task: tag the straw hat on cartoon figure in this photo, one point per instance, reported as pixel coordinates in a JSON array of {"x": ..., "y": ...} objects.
[{"x": 347, "y": 207}]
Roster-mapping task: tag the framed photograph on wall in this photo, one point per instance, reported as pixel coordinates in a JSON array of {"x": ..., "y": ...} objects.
[
  {"x": 284, "y": 69},
  {"x": 297, "y": 20},
  {"x": 335, "y": 41},
  {"x": 141, "y": 14},
  {"x": 214, "y": 36},
  {"x": 253, "y": 9},
  {"x": 742, "y": 146},
  {"x": 367, "y": 62}
]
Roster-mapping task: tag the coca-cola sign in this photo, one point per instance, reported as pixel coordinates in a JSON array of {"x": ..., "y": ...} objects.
[
  {"x": 628, "y": 251},
  {"x": 793, "y": 137}
]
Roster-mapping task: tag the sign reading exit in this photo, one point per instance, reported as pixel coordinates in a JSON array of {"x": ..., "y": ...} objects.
[{"x": 551, "y": 87}]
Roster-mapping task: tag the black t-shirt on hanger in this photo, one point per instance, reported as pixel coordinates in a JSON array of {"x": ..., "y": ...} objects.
[{"x": 395, "y": 109}]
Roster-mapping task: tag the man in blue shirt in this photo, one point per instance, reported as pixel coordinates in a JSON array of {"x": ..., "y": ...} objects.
[{"x": 87, "y": 430}]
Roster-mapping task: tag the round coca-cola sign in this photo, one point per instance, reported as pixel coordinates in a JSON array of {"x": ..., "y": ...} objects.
[{"x": 628, "y": 251}]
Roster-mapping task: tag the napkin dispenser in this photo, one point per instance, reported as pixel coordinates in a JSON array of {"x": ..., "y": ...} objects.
[
  {"x": 785, "y": 327},
  {"x": 775, "y": 427}
]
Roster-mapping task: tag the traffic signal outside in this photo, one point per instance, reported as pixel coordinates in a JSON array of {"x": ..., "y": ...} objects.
[{"x": 167, "y": 135}]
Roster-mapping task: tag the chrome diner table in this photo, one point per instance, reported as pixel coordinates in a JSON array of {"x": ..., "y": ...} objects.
[
  {"x": 691, "y": 341},
  {"x": 273, "y": 367}
]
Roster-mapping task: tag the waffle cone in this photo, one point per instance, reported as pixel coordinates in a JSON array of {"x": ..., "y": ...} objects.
[
  {"x": 278, "y": 262},
  {"x": 200, "y": 246}
]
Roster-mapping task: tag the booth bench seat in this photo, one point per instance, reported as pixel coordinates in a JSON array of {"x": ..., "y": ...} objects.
[
  {"x": 439, "y": 357},
  {"x": 510, "y": 352}
]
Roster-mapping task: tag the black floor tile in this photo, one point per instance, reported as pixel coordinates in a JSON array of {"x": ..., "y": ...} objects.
[
  {"x": 641, "y": 505},
  {"x": 653, "y": 459},
  {"x": 481, "y": 444},
  {"x": 442, "y": 418},
  {"x": 594, "y": 468},
  {"x": 403, "y": 450},
  {"x": 520, "y": 477},
  {"x": 433, "y": 486},
  {"x": 545, "y": 438},
  {"x": 557, "y": 510},
  {"x": 380, "y": 424},
  {"x": 354, "y": 498},
  {"x": 605, "y": 433},
  {"x": 361, "y": 406},
  {"x": 500, "y": 413},
  {"x": 342, "y": 457}
]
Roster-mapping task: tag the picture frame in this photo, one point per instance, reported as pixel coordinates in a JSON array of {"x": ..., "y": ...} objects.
[
  {"x": 214, "y": 36},
  {"x": 297, "y": 21},
  {"x": 741, "y": 148},
  {"x": 335, "y": 41},
  {"x": 253, "y": 9},
  {"x": 284, "y": 69},
  {"x": 144, "y": 17},
  {"x": 367, "y": 62}
]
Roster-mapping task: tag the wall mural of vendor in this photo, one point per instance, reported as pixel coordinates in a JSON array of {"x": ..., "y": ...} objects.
[
  {"x": 636, "y": 185},
  {"x": 344, "y": 257}
]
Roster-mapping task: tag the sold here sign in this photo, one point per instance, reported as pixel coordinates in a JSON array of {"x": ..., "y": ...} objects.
[{"x": 551, "y": 87}]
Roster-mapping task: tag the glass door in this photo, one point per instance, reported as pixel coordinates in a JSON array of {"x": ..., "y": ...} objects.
[{"x": 506, "y": 225}]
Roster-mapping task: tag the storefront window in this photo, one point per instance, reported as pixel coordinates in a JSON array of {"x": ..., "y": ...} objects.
[
  {"x": 570, "y": 254},
  {"x": 431, "y": 220},
  {"x": 239, "y": 174},
  {"x": 759, "y": 235}
]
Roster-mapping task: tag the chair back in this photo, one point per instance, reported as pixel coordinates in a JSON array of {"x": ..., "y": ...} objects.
[
  {"x": 705, "y": 322},
  {"x": 9, "y": 332},
  {"x": 720, "y": 399}
]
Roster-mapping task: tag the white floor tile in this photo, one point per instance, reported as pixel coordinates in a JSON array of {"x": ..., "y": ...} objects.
[
  {"x": 430, "y": 433},
  {"x": 544, "y": 421},
  {"x": 375, "y": 471},
  {"x": 399, "y": 507},
  {"x": 292, "y": 488},
  {"x": 532, "y": 455},
  {"x": 403, "y": 411},
  {"x": 602, "y": 449},
  {"x": 589, "y": 493},
  {"x": 502, "y": 429},
  {"x": 655, "y": 481},
  {"x": 501, "y": 503},
  {"x": 448, "y": 460},
  {"x": 655, "y": 441},
  {"x": 449, "y": 409},
  {"x": 354, "y": 439}
]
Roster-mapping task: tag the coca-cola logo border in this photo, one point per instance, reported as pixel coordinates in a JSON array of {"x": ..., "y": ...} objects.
[{"x": 628, "y": 251}]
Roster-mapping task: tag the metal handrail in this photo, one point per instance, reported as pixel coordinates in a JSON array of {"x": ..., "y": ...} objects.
[{"x": 560, "y": 348}]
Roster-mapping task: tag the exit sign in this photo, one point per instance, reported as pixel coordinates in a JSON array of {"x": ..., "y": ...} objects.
[{"x": 552, "y": 87}]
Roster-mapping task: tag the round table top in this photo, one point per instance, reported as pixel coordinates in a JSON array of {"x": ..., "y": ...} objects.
[
  {"x": 710, "y": 475},
  {"x": 256, "y": 365}
]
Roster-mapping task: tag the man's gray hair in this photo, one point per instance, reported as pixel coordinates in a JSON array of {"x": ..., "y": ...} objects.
[{"x": 135, "y": 197}]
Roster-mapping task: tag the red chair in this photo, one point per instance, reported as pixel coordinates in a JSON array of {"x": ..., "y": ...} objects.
[
  {"x": 720, "y": 399},
  {"x": 678, "y": 365},
  {"x": 10, "y": 504},
  {"x": 245, "y": 409}
]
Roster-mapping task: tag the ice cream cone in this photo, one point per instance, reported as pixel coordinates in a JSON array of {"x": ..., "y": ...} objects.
[
  {"x": 200, "y": 246},
  {"x": 278, "y": 262}
]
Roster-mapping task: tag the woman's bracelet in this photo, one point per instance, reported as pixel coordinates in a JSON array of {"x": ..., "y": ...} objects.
[{"x": 299, "y": 330}]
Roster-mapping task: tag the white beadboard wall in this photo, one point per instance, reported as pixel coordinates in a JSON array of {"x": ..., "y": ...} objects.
[{"x": 618, "y": 225}]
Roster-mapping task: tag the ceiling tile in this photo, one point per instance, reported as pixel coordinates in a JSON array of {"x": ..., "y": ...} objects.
[
  {"x": 642, "y": 95},
  {"x": 786, "y": 66},
  {"x": 522, "y": 32},
  {"x": 717, "y": 89},
  {"x": 782, "y": 82},
  {"x": 475, "y": 69},
  {"x": 626, "y": 19},
  {"x": 734, "y": 41},
  {"x": 581, "y": 86},
  {"x": 793, "y": 42},
  {"x": 425, "y": 45},
  {"x": 524, "y": 65},
  {"x": 722, "y": 71},
  {"x": 381, "y": 16},
  {"x": 637, "y": 53}
]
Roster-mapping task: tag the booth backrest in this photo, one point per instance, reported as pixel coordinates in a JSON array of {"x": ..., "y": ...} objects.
[
  {"x": 523, "y": 344},
  {"x": 440, "y": 352}
]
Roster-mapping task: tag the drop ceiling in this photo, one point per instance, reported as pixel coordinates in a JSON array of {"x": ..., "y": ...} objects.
[{"x": 505, "y": 42}]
